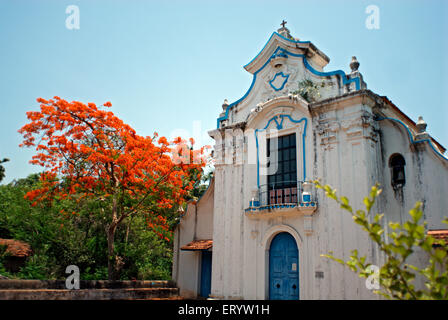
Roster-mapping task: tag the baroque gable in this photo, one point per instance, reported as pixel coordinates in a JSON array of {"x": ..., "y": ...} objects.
[{"x": 278, "y": 69}]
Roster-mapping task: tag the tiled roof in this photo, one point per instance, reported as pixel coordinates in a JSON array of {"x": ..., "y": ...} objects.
[
  {"x": 16, "y": 248},
  {"x": 199, "y": 245},
  {"x": 439, "y": 234}
]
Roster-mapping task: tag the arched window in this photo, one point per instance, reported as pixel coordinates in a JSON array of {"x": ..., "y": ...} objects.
[{"x": 396, "y": 165}]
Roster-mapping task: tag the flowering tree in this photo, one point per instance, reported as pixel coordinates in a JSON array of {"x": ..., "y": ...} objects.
[{"x": 90, "y": 154}]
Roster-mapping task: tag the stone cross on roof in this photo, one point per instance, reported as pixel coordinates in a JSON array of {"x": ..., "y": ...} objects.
[{"x": 284, "y": 31}]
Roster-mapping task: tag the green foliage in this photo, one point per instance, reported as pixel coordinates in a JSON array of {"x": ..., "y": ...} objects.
[
  {"x": 67, "y": 232},
  {"x": 35, "y": 268},
  {"x": 396, "y": 276},
  {"x": 200, "y": 185},
  {"x": 2, "y": 169},
  {"x": 147, "y": 256},
  {"x": 309, "y": 90}
]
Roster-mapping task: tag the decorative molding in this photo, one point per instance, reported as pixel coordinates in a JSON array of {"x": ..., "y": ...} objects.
[
  {"x": 282, "y": 85},
  {"x": 278, "y": 111},
  {"x": 274, "y": 230},
  {"x": 328, "y": 131},
  {"x": 287, "y": 102},
  {"x": 279, "y": 125},
  {"x": 239, "y": 150},
  {"x": 341, "y": 74},
  {"x": 361, "y": 126},
  {"x": 411, "y": 137}
]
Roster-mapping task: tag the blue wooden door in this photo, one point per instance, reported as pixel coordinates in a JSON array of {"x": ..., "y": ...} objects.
[
  {"x": 206, "y": 274},
  {"x": 283, "y": 268}
]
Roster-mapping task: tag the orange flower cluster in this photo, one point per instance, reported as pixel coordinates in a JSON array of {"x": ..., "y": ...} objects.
[
  {"x": 159, "y": 225},
  {"x": 47, "y": 191},
  {"x": 96, "y": 153}
]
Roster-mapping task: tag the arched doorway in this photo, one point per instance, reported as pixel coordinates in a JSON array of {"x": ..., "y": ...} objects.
[{"x": 283, "y": 268}]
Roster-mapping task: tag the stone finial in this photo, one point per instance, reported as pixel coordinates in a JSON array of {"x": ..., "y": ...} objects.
[
  {"x": 225, "y": 104},
  {"x": 354, "y": 64},
  {"x": 421, "y": 125},
  {"x": 355, "y": 74}
]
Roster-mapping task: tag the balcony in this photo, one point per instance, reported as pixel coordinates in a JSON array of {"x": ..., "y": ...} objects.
[{"x": 285, "y": 198}]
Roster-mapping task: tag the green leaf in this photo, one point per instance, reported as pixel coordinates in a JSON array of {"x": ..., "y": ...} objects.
[
  {"x": 368, "y": 203},
  {"x": 440, "y": 254},
  {"x": 345, "y": 204},
  {"x": 394, "y": 225}
]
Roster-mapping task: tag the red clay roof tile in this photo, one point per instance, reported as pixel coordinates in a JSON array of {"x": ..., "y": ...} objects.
[
  {"x": 16, "y": 248},
  {"x": 439, "y": 235},
  {"x": 198, "y": 245}
]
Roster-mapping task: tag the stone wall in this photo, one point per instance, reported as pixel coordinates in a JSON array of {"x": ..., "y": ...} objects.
[{"x": 89, "y": 290}]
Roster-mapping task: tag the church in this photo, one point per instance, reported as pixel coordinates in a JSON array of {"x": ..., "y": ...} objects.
[{"x": 259, "y": 230}]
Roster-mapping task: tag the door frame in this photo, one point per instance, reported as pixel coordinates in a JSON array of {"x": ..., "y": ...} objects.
[{"x": 266, "y": 244}]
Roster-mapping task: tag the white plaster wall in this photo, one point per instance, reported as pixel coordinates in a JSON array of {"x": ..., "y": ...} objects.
[
  {"x": 186, "y": 264},
  {"x": 426, "y": 178},
  {"x": 196, "y": 224},
  {"x": 343, "y": 155},
  {"x": 204, "y": 220}
]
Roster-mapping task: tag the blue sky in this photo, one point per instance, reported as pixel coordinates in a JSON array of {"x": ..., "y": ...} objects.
[{"x": 165, "y": 65}]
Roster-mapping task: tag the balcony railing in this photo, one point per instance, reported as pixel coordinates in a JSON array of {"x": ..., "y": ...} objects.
[{"x": 287, "y": 194}]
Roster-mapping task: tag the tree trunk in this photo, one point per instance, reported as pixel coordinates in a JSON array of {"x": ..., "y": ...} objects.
[
  {"x": 111, "y": 240},
  {"x": 127, "y": 230},
  {"x": 111, "y": 252}
]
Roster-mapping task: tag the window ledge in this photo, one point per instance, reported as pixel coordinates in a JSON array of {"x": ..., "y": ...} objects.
[{"x": 285, "y": 209}]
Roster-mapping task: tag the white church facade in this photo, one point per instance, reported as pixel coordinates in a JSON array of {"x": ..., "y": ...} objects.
[{"x": 260, "y": 229}]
